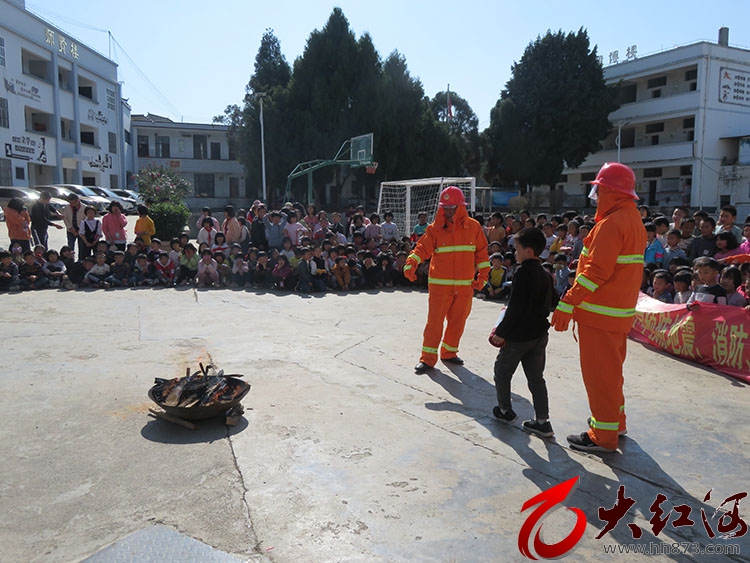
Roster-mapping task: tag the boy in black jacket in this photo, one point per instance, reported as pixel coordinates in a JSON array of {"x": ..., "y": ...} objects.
[{"x": 522, "y": 336}]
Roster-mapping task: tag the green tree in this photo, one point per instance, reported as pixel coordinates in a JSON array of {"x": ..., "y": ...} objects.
[
  {"x": 552, "y": 112},
  {"x": 463, "y": 126}
]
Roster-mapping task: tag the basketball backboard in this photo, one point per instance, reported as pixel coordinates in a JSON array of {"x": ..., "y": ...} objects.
[{"x": 360, "y": 149}]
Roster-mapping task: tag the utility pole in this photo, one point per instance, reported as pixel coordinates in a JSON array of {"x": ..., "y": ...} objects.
[{"x": 260, "y": 96}]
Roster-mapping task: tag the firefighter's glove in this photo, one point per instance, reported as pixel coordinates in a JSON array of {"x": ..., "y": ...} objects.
[
  {"x": 410, "y": 269},
  {"x": 562, "y": 316}
]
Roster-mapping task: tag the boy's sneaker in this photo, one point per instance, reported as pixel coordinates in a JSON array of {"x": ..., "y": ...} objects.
[
  {"x": 507, "y": 416},
  {"x": 543, "y": 429},
  {"x": 14, "y": 288},
  {"x": 583, "y": 443},
  {"x": 619, "y": 432}
]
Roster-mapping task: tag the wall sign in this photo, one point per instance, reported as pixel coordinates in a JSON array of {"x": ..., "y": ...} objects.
[
  {"x": 27, "y": 148},
  {"x": 734, "y": 87}
]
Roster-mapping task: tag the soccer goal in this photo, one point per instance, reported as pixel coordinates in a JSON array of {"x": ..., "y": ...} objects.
[{"x": 405, "y": 199}]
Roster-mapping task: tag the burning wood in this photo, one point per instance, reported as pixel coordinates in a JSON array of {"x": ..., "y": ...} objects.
[{"x": 205, "y": 388}]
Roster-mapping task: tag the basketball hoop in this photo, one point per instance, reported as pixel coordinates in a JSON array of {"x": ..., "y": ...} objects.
[{"x": 371, "y": 168}]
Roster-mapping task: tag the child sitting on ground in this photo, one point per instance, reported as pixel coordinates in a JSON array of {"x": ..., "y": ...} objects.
[
  {"x": 165, "y": 269},
  {"x": 682, "y": 281},
  {"x": 188, "y": 265},
  {"x": 31, "y": 274},
  {"x": 282, "y": 273},
  {"x": 223, "y": 270},
  {"x": 731, "y": 279},
  {"x": 495, "y": 280},
  {"x": 99, "y": 272},
  {"x": 119, "y": 271},
  {"x": 55, "y": 270},
  {"x": 207, "y": 273},
  {"x": 661, "y": 286},
  {"x": 9, "y": 280},
  {"x": 522, "y": 334},
  {"x": 341, "y": 274},
  {"x": 240, "y": 271}
]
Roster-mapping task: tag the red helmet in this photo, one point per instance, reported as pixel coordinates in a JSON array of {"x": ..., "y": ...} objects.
[
  {"x": 452, "y": 197},
  {"x": 617, "y": 177}
]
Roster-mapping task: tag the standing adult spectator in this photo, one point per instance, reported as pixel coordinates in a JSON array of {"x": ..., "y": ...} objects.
[
  {"x": 113, "y": 227},
  {"x": 456, "y": 246},
  {"x": 41, "y": 219},
  {"x": 602, "y": 301},
  {"x": 18, "y": 222},
  {"x": 72, "y": 217}
]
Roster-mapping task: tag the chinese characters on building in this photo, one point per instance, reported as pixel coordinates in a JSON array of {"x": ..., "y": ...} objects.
[
  {"x": 734, "y": 87},
  {"x": 59, "y": 42}
]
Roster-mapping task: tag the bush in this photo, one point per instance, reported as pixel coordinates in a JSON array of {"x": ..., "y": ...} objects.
[
  {"x": 158, "y": 184},
  {"x": 169, "y": 219}
]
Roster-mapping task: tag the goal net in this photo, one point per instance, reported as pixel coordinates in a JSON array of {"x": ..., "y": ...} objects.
[{"x": 405, "y": 199}]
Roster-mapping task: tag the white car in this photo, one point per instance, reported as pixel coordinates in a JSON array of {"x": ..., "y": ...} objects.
[
  {"x": 130, "y": 193},
  {"x": 101, "y": 203},
  {"x": 128, "y": 203},
  {"x": 29, "y": 197}
]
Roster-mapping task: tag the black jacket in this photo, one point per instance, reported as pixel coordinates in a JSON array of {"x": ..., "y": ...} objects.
[{"x": 531, "y": 299}]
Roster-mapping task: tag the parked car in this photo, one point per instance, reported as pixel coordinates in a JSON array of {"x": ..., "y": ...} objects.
[
  {"x": 29, "y": 197},
  {"x": 2, "y": 214},
  {"x": 128, "y": 203},
  {"x": 132, "y": 194},
  {"x": 63, "y": 193},
  {"x": 101, "y": 203}
]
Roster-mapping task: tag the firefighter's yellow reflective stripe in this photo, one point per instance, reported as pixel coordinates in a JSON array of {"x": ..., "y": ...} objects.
[
  {"x": 630, "y": 259},
  {"x": 598, "y": 425},
  {"x": 415, "y": 257},
  {"x": 587, "y": 283},
  {"x": 439, "y": 281},
  {"x": 449, "y": 348},
  {"x": 584, "y": 251},
  {"x": 607, "y": 311},
  {"x": 483, "y": 265},
  {"x": 622, "y": 408},
  {"x": 459, "y": 248},
  {"x": 565, "y": 307},
  {"x": 429, "y": 350}
]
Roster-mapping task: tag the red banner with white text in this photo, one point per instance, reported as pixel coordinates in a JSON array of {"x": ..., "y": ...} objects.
[{"x": 714, "y": 335}]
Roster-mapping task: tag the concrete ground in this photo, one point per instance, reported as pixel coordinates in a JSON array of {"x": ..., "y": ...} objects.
[{"x": 344, "y": 454}]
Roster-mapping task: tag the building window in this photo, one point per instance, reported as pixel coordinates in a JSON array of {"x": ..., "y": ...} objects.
[
  {"x": 2, "y": 51},
  {"x": 691, "y": 75},
  {"x": 657, "y": 82},
  {"x": 652, "y": 172},
  {"x": 686, "y": 170},
  {"x": 162, "y": 147},
  {"x": 20, "y": 173},
  {"x": 215, "y": 151},
  {"x": 114, "y": 181},
  {"x": 204, "y": 185},
  {"x": 87, "y": 138},
  {"x": 627, "y": 94},
  {"x": 655, "y": 140},
  {"x": 234, "y": 187},
  {"x": 5, "y": 172},
  {"x": 127, "y": 137},
  {"x": 86, "y": 88},
  {"x": 110, "y": 99},
  {"x": 588, "y": 176},
  {"x": 688, "y": 123},
  {"x": 143, "y": 146},
  {"x": 200, "y": 147},
  {"x": 691, "y": 135},
  {"x": 112, "y": 142},
  {"x": 655, "y": 127},
  {"x": 4, "y": 115},
  {"x": 656, "y": 93}
]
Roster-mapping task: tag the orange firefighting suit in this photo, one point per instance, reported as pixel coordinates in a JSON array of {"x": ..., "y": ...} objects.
[
  {"x": 602, "y": 302},
  {"x": 457, "y": 249}
]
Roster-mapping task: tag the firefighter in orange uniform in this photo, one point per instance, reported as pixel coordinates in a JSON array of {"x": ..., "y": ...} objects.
[
  {"x": 457, "y": 248},
  {"x": 602, "y": 302}
]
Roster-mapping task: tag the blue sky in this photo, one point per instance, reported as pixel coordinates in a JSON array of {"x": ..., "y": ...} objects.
[{"x": 199, "y": 55}]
